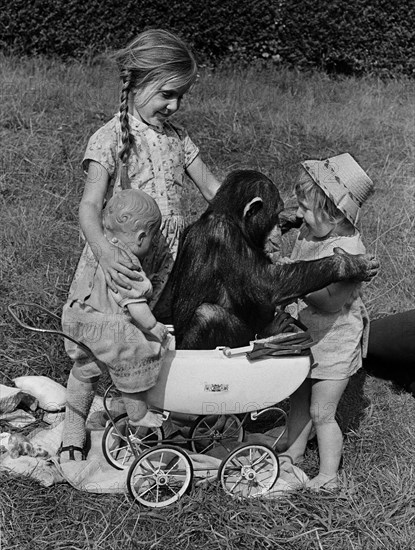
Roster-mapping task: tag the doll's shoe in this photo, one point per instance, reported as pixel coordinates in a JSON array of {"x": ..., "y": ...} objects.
[
  {"x": 71, "y": 450},
  {"x": 151, "y": 419}
]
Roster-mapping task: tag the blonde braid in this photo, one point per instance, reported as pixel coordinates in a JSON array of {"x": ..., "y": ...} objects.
[{"x": 126, "y": 137}]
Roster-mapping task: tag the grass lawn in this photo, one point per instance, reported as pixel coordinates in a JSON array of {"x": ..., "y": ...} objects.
[{"x": 267, "y": 121}]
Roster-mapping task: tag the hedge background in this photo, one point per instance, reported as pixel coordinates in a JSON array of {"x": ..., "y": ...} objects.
[{"x": 344, "y": 36}]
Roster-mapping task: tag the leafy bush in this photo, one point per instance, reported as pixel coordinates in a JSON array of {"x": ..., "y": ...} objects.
[
  {"x": 72, "y": 28},
  {"x": 355, "y": 37}
]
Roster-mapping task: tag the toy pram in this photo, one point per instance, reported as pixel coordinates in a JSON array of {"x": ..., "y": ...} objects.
[{"x": 222, "y": 388}]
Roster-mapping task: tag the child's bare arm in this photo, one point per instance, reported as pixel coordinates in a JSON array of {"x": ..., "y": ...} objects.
[
  {"x": 331, "y": 298},
  {"x": 111, "y": 258},
  {"x": 203, "y": 178}
]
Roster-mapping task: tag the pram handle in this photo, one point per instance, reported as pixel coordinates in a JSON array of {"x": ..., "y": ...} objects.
[{"x": 11, "y": 309}]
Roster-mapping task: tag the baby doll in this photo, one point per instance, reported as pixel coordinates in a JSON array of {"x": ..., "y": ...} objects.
[{"x": 118, "y": 327}]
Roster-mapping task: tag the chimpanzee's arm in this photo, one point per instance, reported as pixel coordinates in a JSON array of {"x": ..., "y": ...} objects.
[
  {"x": 299, "y": 278},
  {"x": 231, "y": 268},
  {"x": 217, "y": 265}
]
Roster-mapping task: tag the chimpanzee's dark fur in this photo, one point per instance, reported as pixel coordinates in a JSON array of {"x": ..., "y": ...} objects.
[{"x": 224, "y": 287}]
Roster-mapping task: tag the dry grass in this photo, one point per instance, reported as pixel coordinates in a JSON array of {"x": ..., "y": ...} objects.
[
  {"x": 375, "y": 510},
  {"x": 265, "y": 121}
]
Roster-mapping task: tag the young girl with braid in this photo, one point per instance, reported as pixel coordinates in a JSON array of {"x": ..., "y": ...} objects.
[{"x": 140, "y": 148}]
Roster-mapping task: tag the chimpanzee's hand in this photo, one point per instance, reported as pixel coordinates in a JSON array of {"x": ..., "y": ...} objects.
[
  {"x": 358, "y": 267},
  {"x": 282, "y": 322},
  {"x": 289, "y": 220}
]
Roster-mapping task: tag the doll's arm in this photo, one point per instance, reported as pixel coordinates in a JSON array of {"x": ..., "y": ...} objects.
[
  {"x": 145, "y": 320},
  {"x": 203, "y": 178},
  {"x": 114, "y": 261},
  {"x": 331, "y": 298}
]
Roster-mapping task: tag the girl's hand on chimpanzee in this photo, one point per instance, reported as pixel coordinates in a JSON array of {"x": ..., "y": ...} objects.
[{"x": 119, "y": 266}]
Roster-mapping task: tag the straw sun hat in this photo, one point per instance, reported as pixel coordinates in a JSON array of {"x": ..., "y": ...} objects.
[{"x": 343, "y": 181}]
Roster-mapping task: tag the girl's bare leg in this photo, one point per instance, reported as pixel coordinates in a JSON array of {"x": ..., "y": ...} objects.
[
  {"x": 325, "y": 397},
  {"x": 299, "y": 422}
]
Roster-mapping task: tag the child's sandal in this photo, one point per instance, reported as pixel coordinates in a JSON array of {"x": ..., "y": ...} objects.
[
  {"x": 325, "y": 483},
  {"x": 71, "y": 450}
]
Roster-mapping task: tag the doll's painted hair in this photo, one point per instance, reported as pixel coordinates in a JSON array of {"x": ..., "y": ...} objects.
[
  {"x": 306, "y": 188},
  {"x": 152, "y": 59},
  {"x": 130, "y": 210}
]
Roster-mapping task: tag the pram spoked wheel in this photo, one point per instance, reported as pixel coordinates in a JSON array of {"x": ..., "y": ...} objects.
[
  {"x": 212, "y": 430},
  {"x": 116, "y": 447},
  {"x": 249, "y": 471},
  {"x": 160, "y": 476}
]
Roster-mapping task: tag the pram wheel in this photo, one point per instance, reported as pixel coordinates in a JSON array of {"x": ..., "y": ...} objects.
[
  {"x": 212, "y": 430},
  {"x": 116, "y": 447},
  {"x": 160, "y": 476},
  {"x": 250, "y": 471}
]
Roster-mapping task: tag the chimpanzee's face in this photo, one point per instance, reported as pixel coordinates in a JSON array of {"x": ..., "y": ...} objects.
[
  {"x": 263, "y": 215},
  {"x": 252, "y": 200}
]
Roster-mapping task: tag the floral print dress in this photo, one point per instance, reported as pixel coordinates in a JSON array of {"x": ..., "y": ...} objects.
[{"x": 157, "y": 165}]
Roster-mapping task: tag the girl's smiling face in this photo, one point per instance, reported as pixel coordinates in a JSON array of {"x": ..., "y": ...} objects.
[
  {"x": 161, "y": 105},
  {"x": 317, "y": 223}
]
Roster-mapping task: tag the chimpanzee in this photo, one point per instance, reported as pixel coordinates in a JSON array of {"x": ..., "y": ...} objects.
[{"x": 224, "y": 287}]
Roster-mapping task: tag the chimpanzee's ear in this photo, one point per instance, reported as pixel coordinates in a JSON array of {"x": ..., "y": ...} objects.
[{"x": 253, "y": 207}]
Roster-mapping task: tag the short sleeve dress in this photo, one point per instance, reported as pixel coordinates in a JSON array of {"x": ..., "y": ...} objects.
[
  {"x": 157, "y": 165},
  {"x": 340, "y": 338},
  {"x": 99, "y": 318}
]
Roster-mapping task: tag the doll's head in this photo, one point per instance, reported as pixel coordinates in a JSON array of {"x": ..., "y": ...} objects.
[{"x": 132, "y": 217}]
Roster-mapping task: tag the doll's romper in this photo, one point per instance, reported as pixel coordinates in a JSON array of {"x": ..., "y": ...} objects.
[
  {"x": 99, "y": 318},
  {"x": 341, "y": 337},
  {"x": 157, "y": 165}
]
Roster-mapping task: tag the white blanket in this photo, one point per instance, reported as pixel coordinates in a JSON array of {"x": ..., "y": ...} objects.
[{"x": 95, "y": 475}]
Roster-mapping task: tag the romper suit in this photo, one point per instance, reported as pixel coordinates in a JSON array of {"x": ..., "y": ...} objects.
[
  {"x": 99, "y": 318},
  {"x": 157, "y": 164},
  {"x": 341, "y": 337}
]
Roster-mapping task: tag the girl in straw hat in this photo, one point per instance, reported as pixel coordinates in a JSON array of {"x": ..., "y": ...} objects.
[{"x": 329, "y": 194}]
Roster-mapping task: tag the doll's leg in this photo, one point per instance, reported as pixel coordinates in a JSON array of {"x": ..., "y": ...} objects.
[
  {"x": 325, "y": 397},
  {"x": 138, "y": 413},
  {"x": 79, "y": 397}
]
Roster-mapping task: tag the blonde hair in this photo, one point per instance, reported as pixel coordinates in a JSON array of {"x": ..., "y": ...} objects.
[
  {"x": 306, "y": 188},
  {"x": 130, "y": 210},
  {"x": 152, "y": 59}
]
